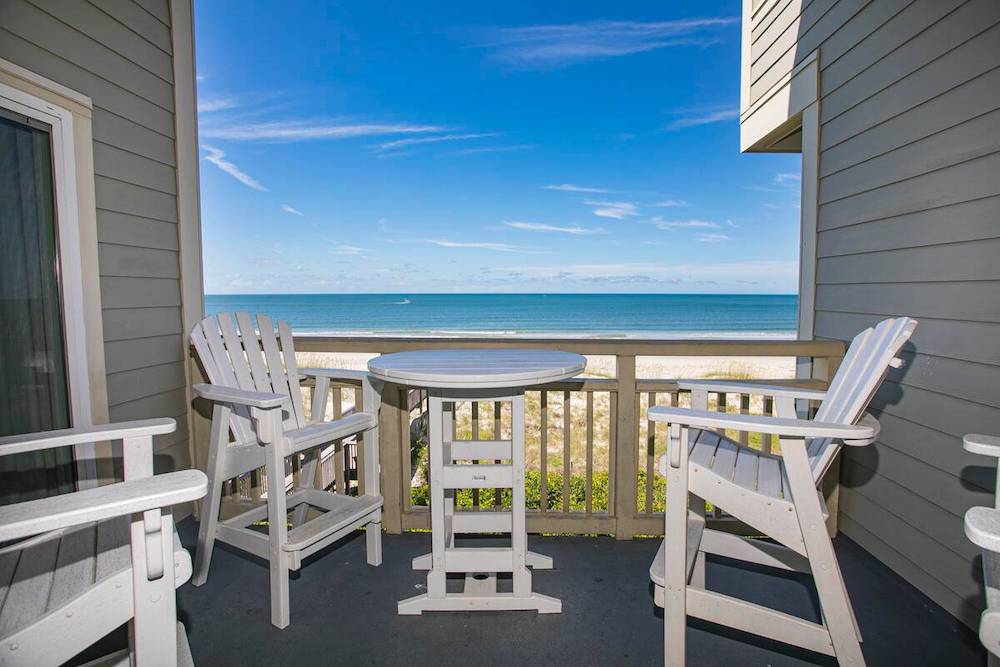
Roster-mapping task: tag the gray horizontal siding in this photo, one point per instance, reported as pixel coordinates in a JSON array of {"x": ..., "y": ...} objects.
[
  {"x": 139, "y": 21},
  {"x": 909, "y": 224},
  {"x": 118, "y": 53},
  {"x": 968, "y": 221},
  {"x": 125, "y": 229}
]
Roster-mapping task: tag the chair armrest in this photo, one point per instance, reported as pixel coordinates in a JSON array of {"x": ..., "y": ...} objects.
[
  {"x": 264, "y": 400},
  {"x": 982, "y": 527},
  {"x": 334, "y": 373},
  {"x": 987, "y": 445},
  {"x": 31, "y": 442},
  {"x": 856, "y": 434},
  {"x": 751, "y": 388},
  {"x": 103, "y": 502}
]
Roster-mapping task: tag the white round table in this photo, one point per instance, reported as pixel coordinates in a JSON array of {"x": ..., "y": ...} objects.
[{"x": 452, "y": 376}]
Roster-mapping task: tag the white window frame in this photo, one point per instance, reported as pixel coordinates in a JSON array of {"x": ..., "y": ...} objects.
[{"x": 70, "y": 265}]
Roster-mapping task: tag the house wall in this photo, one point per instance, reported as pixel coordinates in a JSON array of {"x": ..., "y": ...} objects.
[
  {"x": 909, "y": 223},
  {"x": 119, "y": 53}
]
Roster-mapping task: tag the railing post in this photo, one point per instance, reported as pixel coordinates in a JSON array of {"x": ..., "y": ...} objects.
[
  {"x": 825, "y": 368},
  {"x": 626, "y": 448},
  {"x": 391, "y": 441}
]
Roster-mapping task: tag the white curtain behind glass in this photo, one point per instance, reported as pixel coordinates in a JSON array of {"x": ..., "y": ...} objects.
[{"x": 33, "y": 389}]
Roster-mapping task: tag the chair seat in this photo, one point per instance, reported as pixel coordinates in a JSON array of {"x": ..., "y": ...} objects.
[
  {"x": 712, "y": 454},
  {"x": 326, "y": 432},
  {"x": 53, "y": 571}
]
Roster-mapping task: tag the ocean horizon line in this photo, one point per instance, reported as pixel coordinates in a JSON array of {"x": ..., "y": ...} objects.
[{"x": 622, "y": 316}]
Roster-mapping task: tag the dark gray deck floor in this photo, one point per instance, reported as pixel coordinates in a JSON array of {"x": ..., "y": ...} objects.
[{"x": 344, "y": 612}]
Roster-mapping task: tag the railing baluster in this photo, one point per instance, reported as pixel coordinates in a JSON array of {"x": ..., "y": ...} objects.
[
  {"x": 744, "y": 410},
  {"x": 497, "y": 493},
  {"x": 359, "y": 406},
  {"x": 567, "y": 411},
  {"x": 589, "y": 481},
  {"x": 650, "y": 452},
  {"x": 543, "y": 454},
  {"x": 766, "y": 439},
  {"x": 339, "y": 467},
  {"x": 475, "y": 436}
]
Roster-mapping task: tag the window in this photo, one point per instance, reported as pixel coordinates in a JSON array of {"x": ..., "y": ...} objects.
[
  {"x": 34, "y": 394},
  {"x": 48, "y": 280}
]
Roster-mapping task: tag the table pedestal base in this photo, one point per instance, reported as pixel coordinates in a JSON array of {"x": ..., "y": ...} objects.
[
  {"x": 479, "y": 564},
  {"x": 467, "y": 601}
]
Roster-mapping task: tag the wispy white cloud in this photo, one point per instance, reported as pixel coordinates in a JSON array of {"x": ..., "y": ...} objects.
[
  {"x": 217, "y": 157},
  {"x": 696, "y": 118},
  {"x": 569, "y": 187},
  {"x": 684, "y": 224},
  {"x": 618, "y": 210},
  {"x": 210, "y": 104},
  {"x": 414, "y": 141},
  {"x": 305, "y": 130},
  {"x": 787, "y": 179},
  {"x": 670, "y": 203},
  {"x": 542, "y": 227},
  {"x": 727, "y": 271},
  {"x": 342, "y": 249},
  {"x": 494, "y": 149},
  {"x": 712, "y": 238},
  {"x": 287, "y": 208},
  {"x": 477, "y": 245},
  {"x": 551, "y": 46}
]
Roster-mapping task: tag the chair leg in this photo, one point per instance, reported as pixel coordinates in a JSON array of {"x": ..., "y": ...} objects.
[
  {"x": 836, "y": 606},
  {"x": 206, "y": 532},
  {"x": 373, "y": 542},
  {"x": 675, "y": 551},
  {"x": 213, "y": 500},
  {"x": 277, "y": 517},
  {"x": 153, "y": 628}
]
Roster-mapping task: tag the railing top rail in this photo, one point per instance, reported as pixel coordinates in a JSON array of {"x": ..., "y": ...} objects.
[{"x": 605, "y": 346}]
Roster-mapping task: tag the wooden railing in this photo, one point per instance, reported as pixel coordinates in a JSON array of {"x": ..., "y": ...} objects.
[{"x": 589, "y": 443}]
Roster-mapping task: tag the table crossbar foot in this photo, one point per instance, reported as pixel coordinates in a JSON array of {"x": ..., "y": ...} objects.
[{"x": 543, "y": 604}]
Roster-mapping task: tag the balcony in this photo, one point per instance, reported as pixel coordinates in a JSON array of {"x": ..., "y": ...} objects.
[{"x": 591, "y": 447}]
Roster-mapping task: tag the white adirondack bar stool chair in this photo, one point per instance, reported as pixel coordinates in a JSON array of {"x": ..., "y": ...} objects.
[
  {"x": 776, "y": 495},
  {"x": 79, "y": 565},
  {"x": 982, "y": 527},
  {"x": 255, "y": 388}
]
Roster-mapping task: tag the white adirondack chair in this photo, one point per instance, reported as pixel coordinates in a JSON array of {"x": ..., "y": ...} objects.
[
  {"x": 776, "y": 495},
  {"x": 256, "y": 396},
  {"x": 81, "y": 564},
  {"x": 982, "y": 527}
]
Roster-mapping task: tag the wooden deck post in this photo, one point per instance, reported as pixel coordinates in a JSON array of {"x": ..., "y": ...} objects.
[
  {"x": 391, "y": 442},
  {"x": 625, "y": 450}
]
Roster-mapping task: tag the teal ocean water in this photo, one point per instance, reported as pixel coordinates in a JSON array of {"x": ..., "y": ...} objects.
[{"x": 609, "y": 315}]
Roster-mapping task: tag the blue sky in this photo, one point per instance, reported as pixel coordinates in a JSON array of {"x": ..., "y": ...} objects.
[{"x": 476, "y": 147}]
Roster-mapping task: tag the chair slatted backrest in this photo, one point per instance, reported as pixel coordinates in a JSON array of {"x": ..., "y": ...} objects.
[
  {"x": 861, "y": 373},
  {"x": 238, "y": 354}
]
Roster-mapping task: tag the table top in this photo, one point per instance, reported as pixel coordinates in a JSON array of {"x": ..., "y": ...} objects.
[{"x": 477, "y": 368}]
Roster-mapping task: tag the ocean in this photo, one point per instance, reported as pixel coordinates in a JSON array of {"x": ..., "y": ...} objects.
[{"x": 605, "y": 315}]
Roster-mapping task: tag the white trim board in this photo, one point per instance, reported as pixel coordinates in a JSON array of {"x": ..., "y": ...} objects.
[
  {"x": 775, "y": 114},
  {"x": 70, "y": 265},
  {"x": 188, "y": 199}
]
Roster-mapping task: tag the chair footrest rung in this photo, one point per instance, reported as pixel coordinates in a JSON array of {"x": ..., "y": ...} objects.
[
  {"x": 478, "y": 477},
  {"x": 695, "y": 530},
  {"x": 343, "y": 510}
]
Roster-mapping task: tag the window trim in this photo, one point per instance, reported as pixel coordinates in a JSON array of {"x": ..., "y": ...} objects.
[{"x": 77, "y": 246}]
